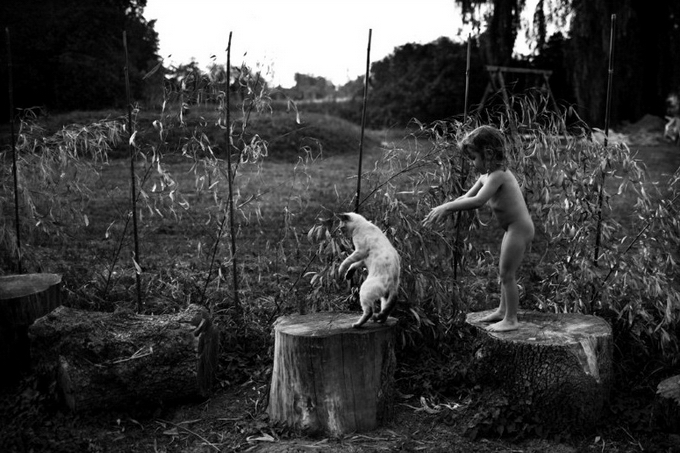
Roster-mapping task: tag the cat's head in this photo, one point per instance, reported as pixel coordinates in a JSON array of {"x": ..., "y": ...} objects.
[{"x": 349, "y": 221}]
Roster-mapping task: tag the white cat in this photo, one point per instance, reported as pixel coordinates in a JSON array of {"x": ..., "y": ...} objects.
[{"x": 373, "y": 250}]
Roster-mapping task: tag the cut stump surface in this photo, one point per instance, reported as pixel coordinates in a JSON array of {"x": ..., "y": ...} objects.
[
  {"x": 23, "y": 299},
  {"x": 556, "y": 369},
  {"x": 329, "y": 377}
]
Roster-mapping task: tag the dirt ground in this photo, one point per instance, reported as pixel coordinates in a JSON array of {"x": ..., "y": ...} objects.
[{"x": 235, "y": 420}]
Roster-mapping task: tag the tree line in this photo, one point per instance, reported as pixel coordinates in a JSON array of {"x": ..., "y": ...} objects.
[{"x": 68, "y": 54}]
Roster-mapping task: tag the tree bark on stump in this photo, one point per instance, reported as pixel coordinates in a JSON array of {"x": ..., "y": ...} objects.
[
  {"x": 125, "y": 360},
  {"x": 23, "y": 299},
  {"x": 555, "y": 370},
  {"x": 666, "y": 410},
  {"x": 329, "y": 377}
]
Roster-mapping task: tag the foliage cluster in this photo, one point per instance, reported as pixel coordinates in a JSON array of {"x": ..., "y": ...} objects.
[{"x": 55, "y": 178}]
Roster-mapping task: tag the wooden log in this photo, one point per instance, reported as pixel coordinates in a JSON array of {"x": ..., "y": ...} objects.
[
  {"x": 555, "y": 370},
  {"x": 330, "y": 378},
  {"x": 666, "y": 409},
  {"x": 23, "y": 299},
  {"x": 125, "y": 360}
]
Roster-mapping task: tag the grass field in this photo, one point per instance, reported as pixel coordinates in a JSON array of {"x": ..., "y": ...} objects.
[{"x": 310, "y": 173}]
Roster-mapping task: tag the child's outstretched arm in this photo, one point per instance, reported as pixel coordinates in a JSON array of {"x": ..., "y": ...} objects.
[{"x": 475, "y": 198}]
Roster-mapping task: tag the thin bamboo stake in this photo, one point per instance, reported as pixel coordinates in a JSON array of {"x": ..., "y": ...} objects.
[
  {"x": 363, "y": 120},
  {"x": 467, "y": 79},
  {"x": 10, "y": 85},
  {"x": 230, "y": 177},
  {"x": 456, "y": 256},
  {"x": 133, "y": 189},
  {"x": 598, "y": 235}
]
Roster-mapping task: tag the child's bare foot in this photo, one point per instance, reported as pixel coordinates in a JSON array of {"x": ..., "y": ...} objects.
[
  {"x": 503, "y": 326},
  {"x": 495, "y": 316}
]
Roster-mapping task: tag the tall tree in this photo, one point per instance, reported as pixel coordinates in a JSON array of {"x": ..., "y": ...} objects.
[
  {"x": 647, "y": 61},
  {"x": 502, "y": 25},
  {"x": 68, "y": 54}
]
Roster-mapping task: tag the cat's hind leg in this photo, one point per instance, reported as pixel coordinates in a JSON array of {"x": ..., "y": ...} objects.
[
  {"x": 369, "y": 293},
  {"x": 386, "y": 307}
]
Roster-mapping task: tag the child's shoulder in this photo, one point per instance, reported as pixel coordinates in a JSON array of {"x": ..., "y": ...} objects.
[
  {"x": 499, "y": 177},
  {"x": 499, "y": 173}
]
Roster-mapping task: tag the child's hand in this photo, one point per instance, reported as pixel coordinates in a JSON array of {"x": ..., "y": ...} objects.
[{"x": 437, "y": 215}]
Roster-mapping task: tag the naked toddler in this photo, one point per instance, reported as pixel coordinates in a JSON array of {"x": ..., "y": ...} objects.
[{"x": 497, "y": 186}]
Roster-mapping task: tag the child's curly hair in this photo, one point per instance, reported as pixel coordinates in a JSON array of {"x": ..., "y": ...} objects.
[{"x": 489, "y": 142}]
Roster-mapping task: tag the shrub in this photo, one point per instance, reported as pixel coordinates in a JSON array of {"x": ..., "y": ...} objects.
[{"x": 607, "y": 237}]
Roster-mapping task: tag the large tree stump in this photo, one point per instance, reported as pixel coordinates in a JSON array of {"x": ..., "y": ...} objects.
[
  {"x": 23, "y": 299},
  {"x": 125, "y": 360},
  {"x": 555, "y": 370},
  {"x": 666, "y": 409},
  {"x": 330, "y": 378}
]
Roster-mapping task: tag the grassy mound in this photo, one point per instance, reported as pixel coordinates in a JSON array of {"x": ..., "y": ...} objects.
[
  {"x": 286, "y": 138},
  {"x": 317, "y": 133}
]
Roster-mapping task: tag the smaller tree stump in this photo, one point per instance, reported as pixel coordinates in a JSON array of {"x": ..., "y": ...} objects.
[
  {"x": 23, "y": 299},
  {"x": 329, "y": 377},
  {"x": 125, "y": 360},
  {"x": 555, "y": 370},
  {"x": 667, "y": 405}
]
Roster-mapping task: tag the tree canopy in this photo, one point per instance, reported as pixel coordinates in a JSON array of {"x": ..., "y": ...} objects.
[
  {"x": 426, "y": 82},
  {"x": 68, "y": 54}
]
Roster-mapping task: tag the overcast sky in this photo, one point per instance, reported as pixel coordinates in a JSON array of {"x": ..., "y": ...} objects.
[{"x": 327, "y": 38}]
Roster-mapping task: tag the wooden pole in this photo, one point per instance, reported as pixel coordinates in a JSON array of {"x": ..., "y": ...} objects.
[
  {"x": 14, "y": 151},
  {"x": 363, "y": 119},
  {"x": 598, "y": 235},
  {"x": 133, "y": 188}
]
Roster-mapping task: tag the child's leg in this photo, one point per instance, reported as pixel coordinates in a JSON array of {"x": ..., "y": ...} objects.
[
  {"x": 513, "y": 247},
  {"x": 499, "y": 313}
]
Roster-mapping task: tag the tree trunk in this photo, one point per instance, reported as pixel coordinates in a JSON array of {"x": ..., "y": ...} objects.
[
  {"x": 555, "y": 371},
  {"x": 23, "y": 299},
  {"x": 125, "y": 360},
  {"x": 329, "y": 377}
]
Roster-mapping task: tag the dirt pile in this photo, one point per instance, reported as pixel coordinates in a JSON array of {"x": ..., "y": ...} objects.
[{"x": 648, "y": 131}]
